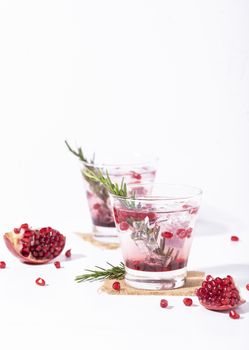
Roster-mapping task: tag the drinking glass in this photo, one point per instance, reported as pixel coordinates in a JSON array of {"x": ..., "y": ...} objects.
[
  {"x": 140, "y": 168},
  {"x": 156, "y": 232}
]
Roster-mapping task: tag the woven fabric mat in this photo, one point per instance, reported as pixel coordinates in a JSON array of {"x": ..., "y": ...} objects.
[
  {"x": 89, "y": 237},
  {"x": 193, "y": 281}
]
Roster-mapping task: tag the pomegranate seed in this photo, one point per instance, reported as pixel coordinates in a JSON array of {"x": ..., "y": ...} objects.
[
  {"x": 68, "y": 253},
  {"x": 247, "y": 286},
  {"x": 194, "y": 211},
  {"x": 209, "y": 278},
  {"x": 116, "y": 286},
  {"x": 189, "y": 231},
  {"x": 164, "y": 303},
  {"x": 234, "y": 315},
  {"x": 124, "y": 226},
  {"x": 188, "y": 301},
  {"x": 57, "y": 264},
  {"x": 152, "y": 216},
  {"x": 136, "y": 176},
  {"x": 167, "y": 235},
  {"x": 181, "y": 232},
  {"x": 40, "y": 282},
  {"x": 24, "y": 226},
  {"x": 234, "y": 238},
  {"x": 16, "y": 230},
  {"x": 2, "y": 265},
  {"x": 96, "y": 206}
]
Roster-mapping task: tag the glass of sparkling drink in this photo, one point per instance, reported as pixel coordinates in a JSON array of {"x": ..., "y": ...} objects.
[
  {"x": 139, "y": 169},
  {"x": 156, "y": 232}
]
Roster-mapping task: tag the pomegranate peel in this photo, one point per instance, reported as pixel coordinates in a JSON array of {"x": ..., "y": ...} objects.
[
  {"x": 34, "y": 246},
  {"x": 222, "y": 307}
]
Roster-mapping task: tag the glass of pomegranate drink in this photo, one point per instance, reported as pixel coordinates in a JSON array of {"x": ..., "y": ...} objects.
[
  {"x": 142, "y": 169},
  {"x": 156, "y": 232}
]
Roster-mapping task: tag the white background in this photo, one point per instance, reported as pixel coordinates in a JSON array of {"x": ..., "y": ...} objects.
[{"x": 169, "y": 77}]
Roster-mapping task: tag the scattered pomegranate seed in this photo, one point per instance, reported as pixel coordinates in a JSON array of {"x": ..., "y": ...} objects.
[
  {"x": 57, "y": 264},
  {"x": 136, "y": 175},
  {"x": 116, "y": 286},
  {"x": 96, "y": 206},
  {"x": 124, "y": 226},
  {"x": 234, "y": 315},
  {"x": 164, "y": 303},
  {"x": 16, "y": 230},
  {"x": 68, "y": 253},
  {"x": 247, "y": 286},
  {"x": 40, "y": 282},
  {"x": 167, "y": 234},
  {"x": 2, "y": 265},
  {"x": 234, "y": 238},
  {"x": 188, "y": 301}
]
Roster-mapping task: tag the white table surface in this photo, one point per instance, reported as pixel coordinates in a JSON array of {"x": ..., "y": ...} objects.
[{"x": 67, "y": 315}]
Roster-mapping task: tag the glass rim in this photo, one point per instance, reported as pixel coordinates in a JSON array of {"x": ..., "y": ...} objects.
[
  {"x": 152, "y": 159},
  {"x": 158, "y": 198}
]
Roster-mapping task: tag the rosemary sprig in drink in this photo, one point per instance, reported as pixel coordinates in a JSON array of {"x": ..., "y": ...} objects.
[
  {"x": 106, "y": 181},
  {"x": 99, "y": 190},
  {"x": 113, "y": 188},
  {"x": 114, "y": 272}
]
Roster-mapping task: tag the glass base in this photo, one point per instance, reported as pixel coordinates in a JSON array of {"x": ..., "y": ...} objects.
[
  {"x": 155, "y": 280},
  {"x": 105, "y": 234}
]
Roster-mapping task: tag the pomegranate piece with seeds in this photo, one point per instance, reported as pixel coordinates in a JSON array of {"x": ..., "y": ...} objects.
[
  {"x": 219, "y": 294},
  {"x": 35, "y": 246}
]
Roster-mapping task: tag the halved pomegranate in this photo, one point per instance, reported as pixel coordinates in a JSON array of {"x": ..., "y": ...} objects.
[
  {"x": 35, "y": 246},
  {"x": 219, "y": 294}
]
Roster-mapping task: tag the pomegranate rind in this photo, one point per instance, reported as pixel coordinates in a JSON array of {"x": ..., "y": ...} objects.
[
  {"x": 222, "y": 307},
  {"x": 11, "y": 240}
]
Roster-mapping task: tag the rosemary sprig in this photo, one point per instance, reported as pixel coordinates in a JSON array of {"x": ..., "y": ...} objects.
[
  {"x": 79, "y": 153},
  {"x": 114, "y": 272},
  {"x": 96, "y": 187},
  {"x": 113, "y": 188}
]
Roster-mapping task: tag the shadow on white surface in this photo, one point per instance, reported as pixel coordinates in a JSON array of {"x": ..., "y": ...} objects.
[
  {"x": 244, "y": 309},
  {"x": 73, "y": 257}
]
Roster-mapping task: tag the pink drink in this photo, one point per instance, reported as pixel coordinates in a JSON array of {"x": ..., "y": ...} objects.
[
  {"x": 156, "y": 235},
  {"x": 99, "y": 201}
]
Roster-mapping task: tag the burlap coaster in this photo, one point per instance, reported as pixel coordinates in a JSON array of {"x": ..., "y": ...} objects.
[
  {"x": 193, "y": 281},
  {"x": 89, "y": 237}
]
